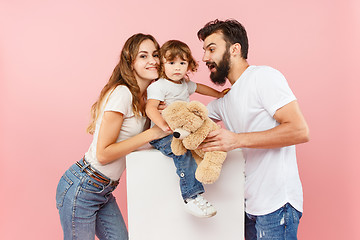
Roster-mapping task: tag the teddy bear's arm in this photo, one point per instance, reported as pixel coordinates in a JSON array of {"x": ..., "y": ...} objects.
[
  {"x": 195, "y": 139},
  {"x": 177, "y": 147}
]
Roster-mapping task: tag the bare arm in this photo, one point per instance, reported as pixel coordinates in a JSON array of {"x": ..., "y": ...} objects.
[
  {"x": 154, "y": 114},
  {"x": 208, "y": 91},
  {"x": 109, "y": 150},
  {"x": 291, "y": 130}
]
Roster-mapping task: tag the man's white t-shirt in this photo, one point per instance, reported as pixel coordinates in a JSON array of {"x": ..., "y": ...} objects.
[
  {"x": 169, "y": 92},
  {"x": 271, "y": 175},
  {"x": 120, "y": 100}
]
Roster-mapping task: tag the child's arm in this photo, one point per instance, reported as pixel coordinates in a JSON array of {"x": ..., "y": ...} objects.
[
  {"x": 208, "y": 91},
  {"x": 153, "y": 113}
]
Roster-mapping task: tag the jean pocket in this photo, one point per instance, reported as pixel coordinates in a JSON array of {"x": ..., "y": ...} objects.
[{"x": 61, "y": 190}]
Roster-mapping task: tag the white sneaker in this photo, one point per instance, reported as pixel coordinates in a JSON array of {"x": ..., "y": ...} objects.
[{"x": 200, "y": 207}]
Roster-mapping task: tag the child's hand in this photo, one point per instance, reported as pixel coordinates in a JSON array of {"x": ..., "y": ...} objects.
[{"x": 224, "y": 92}]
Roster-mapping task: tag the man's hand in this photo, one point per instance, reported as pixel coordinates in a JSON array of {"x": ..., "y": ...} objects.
[{"x": 220, "y": 140}]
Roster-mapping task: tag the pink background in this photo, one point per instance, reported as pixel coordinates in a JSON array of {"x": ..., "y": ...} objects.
[{"x": 55, "y": 56}]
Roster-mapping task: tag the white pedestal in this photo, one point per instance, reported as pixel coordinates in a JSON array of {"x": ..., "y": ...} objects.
[{"x": 156, "y": 209}]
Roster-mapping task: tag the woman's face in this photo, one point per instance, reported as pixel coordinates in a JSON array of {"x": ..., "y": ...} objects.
[{"x": 146, "y": 63}]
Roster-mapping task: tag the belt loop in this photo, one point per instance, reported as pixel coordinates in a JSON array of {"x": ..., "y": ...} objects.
[{"x": 85, "y": 164}]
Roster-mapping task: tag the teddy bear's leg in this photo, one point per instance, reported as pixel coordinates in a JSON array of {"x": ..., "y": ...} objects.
[
  {"x": 197, "y": 158},
  {"x": 177, "y": 147},
  {"x": 209, "y": 169}
]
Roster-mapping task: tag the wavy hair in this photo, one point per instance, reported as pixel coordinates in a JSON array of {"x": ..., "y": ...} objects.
[
  {"x": 123, "y": 74},
  {"x": 232, "y": 30},
  {"x": 175, "y": 48}
]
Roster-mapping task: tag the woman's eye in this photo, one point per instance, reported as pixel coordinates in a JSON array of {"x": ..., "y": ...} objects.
[
  {"x": 156, "y": 55},
  {"x": 143, "y": 56}
]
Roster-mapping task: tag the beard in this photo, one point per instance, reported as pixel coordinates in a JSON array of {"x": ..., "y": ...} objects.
[{"x": 222, "y": 70}]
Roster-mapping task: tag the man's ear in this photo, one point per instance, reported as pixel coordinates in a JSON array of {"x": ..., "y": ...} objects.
[{"x": 235, "y": 49}]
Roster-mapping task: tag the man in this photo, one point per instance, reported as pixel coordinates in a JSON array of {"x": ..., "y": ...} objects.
[{"x": 264, "y": 119}]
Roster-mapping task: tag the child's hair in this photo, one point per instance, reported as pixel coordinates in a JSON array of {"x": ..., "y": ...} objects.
[{"x": 175, "y": 48}]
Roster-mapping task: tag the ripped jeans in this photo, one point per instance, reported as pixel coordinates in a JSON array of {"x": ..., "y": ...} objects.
[{"x": 281, "y": 224}]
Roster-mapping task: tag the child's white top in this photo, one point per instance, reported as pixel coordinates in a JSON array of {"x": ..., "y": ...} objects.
[{"x": 167, "y": 91}]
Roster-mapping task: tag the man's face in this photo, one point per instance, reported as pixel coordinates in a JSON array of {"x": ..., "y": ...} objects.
[{"x": 217, "y": 57}]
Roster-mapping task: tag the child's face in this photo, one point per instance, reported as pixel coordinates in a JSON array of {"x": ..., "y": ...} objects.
[{"x": 176, "y": 69}]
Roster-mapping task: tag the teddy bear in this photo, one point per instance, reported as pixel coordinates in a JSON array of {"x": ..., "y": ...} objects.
[{"x": 190, "y": 124}]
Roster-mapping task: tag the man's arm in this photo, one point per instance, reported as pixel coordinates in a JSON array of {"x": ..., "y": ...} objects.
[{"x": 292, "y": 129}]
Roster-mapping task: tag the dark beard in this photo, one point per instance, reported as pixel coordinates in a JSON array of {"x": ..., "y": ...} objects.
[{"x": 222, "y": 70}]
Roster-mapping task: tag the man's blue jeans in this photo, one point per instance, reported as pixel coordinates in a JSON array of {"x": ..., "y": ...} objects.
[
  {"x": 280, "y": 225},
  {"x": 88, "y": 207},
  {"x": 185, "y": 167}
]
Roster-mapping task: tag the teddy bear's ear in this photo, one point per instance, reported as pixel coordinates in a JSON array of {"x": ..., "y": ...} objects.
[{"x": 198, "y": 109}]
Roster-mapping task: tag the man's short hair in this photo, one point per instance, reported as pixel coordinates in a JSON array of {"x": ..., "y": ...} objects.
[{"x": 232, "y": 31}]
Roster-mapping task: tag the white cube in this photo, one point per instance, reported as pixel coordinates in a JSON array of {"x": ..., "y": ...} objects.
[{"x": 156, "y": 208}]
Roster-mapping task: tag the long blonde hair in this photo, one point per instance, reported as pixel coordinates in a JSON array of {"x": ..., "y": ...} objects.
[{"x": 123, "y": 74}]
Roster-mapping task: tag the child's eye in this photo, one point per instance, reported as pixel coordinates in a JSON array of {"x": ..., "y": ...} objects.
[
  {"x": 183, "y": 63},
  {"x": 156, "y": 55},
  {"x": 172, "y": 63}
]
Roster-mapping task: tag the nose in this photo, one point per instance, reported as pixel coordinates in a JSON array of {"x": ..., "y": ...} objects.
[
  {"x": 176, "y": 134},
  {"x": 205, "y": 57},
  {"x": 153, "y": 60}
]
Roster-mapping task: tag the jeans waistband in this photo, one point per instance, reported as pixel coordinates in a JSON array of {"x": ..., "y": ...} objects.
[{"x": 94, "y": 174}]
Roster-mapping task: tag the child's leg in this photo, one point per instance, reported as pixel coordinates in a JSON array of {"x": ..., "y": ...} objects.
[{"x": 185, "y": 168}]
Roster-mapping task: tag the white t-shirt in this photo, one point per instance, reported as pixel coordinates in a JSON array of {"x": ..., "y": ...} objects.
[
  {"x": 120, "y": 100},
  {"x": 167, "y": 91},
  {"x": 271, "y": 175}
]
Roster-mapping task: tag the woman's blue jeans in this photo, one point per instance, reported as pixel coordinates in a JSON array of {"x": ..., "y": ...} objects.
[
  {"x": 281, "y": 224},
  {"x": 185, "y": 167},
  {"x": 87, "y": 207}
]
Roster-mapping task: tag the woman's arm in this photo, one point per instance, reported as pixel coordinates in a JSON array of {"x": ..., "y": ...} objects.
[
  {"x": 154, "y": 114},
  {"x": 109, "y": 150},
  {"x": 208, "y": 91}
]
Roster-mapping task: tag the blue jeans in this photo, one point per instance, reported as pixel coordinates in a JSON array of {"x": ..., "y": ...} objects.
[
  {"x": 185, "y": 167},
  {"x": 280, "y": 225},
  {"x": 88, "y": 207}
]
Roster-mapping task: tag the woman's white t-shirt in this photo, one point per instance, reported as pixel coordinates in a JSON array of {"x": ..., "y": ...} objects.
[
  {"x": 120, "y": 100},
  {"x": 272, "y": 177}
]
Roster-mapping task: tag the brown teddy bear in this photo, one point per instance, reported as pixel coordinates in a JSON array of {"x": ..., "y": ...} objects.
[{"x": 190, "y": 124}]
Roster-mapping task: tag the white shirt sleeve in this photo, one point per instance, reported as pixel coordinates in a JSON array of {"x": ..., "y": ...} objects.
[
  {"x": 191, "y": 87},
  {"x": 273, "y": 89},
  {"x": 120, "y": 100},
  {"x": 213, "y": 109},
  {"x": 156, "y": 91}
]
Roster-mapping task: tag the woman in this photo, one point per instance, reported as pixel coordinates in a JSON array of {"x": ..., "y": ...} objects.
[{"x": 84, "y": 194}]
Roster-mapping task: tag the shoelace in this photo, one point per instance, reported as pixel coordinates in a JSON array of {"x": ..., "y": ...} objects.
[{"x": 202, "y": 203}]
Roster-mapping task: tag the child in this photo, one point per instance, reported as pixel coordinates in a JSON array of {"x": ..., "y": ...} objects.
[{"x": 173, "y": 85}]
